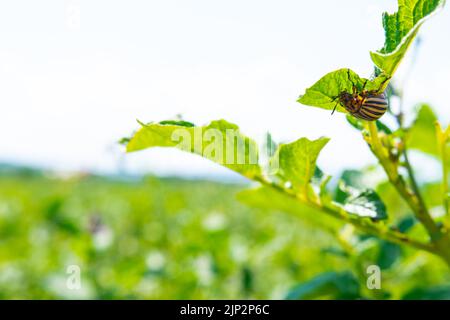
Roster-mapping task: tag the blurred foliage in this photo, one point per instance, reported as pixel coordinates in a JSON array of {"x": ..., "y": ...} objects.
[
  {"x": 156, "y": 238},
  {"x": 150, "y": 238}
]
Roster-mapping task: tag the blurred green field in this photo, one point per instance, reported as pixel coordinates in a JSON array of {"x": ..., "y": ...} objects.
[{"x": 155, "y": 238}]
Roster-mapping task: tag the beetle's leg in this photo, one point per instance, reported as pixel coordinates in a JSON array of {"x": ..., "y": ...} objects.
[
  {"x": 334, "y": 109},
  {"x": 334, "y": 99}
]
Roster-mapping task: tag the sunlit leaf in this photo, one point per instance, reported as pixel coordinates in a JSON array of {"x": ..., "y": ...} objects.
[
  {"x": 400, "y": 29},
  {"x": 422, "y": 135},
  {"x": 365, "y": 203},
  {"x": 220, "y": 141},
  {"x": 428, "y": 137},
  {"x": 181, "y": 123},
  {"x": 297, "y": 162},
  {"x": 325, "y": 92}
]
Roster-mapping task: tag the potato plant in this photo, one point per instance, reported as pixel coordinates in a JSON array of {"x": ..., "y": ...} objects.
[{"x": 289, "y": 179}]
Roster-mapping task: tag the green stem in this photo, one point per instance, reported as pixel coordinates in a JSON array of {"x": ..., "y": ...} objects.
[
  {"x": 442, "y": 137},
  {"x": 416, "y": 189},
  {"x": 442, "y": 140},
  {"x": 381, "y": 232},
  {"x": 445, "y": 187},
  {"x": 382, "y": 154},
  {"x": 412, "y": 198},
  {"x": 339, "y": 213}
]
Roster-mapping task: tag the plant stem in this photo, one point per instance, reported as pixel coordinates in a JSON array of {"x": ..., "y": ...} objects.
[
  {"x": 339, "y": 213},
  {"x": 381, "y": 153},
  {"x": 412, "y": 197},
  {"x": 381, "y": 232},
  {"x": 413, "y": 180},
  {"x": 442, "y": 137},
  {"x": 445, "y": 185}
]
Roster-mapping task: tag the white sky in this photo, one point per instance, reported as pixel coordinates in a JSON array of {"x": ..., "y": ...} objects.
[{"x": 70, "y": 88}]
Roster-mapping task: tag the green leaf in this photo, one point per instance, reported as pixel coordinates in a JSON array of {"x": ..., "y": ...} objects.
[
  {"x": 178, "y": 123},
  {"x": 297, "y": 162},
  {"x": 349, "y": 178},
  {"x": 400, "y": 30},
  {"x": 427, "y": 136},
  {"x": 319, "y": 184},
  {"x": 220, "y": 141},
  {"x": 324, "y": 93},
  {"x": 366, "y": 203},
  {"x": 443, "y": 141},
  {"x": 422, "y": 135},
  {"x": 388, "y": 254},
  {"x": 336, "y": 285}
]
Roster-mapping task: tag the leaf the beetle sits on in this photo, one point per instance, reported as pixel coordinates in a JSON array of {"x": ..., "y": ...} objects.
[
  {"x": 400, "y": 30},
  {"x": 324, "y": 92},
  {"x": 220, "y": 141}
]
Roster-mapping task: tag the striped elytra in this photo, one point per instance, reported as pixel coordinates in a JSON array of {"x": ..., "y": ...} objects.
[
  {"x": 372, "y": 108},
  {"x": 366, "y": 105}
]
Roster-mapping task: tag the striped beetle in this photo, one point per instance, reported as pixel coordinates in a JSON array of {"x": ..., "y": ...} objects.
[{"x": 365, "y": 105}]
